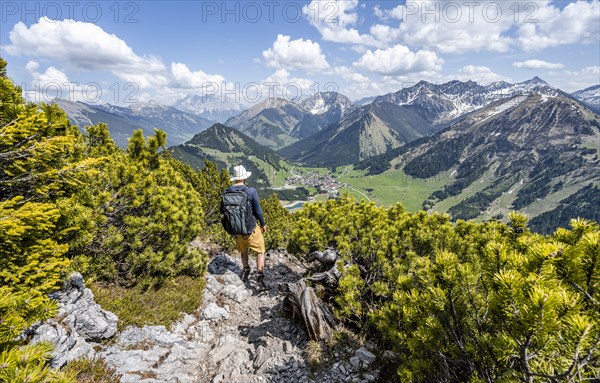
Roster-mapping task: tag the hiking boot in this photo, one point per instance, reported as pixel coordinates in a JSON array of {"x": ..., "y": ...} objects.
[
  {"x": 245, "y": 274},
  {"x": 260, "y": 279}
]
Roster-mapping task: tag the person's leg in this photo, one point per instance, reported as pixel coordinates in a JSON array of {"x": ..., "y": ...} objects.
[
  {"x": 260, "y": 262},
  {"x": 242, "y": 247},
  {"x": 245, "y": 259}
]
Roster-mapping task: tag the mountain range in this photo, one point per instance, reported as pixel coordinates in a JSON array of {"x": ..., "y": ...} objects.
[
  {"x": 487, "y": 149},
  {"x": 527, "y": 152},
  {"x": 277, "y": 122},
  {"x": 590, "y": 96},
  {"x": 368, "y": 131},
  {"x": 122, "y": 121},
  {"x": 209, "y": 106},
  {"x": 227, "y": 147}
]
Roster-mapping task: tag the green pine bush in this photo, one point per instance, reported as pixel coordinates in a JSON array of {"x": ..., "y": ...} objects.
[{"x": 477, "y": 302}]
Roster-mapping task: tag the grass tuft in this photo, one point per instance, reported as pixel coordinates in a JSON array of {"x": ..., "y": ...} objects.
[
  {"x": 158, "y": 305},
  {"x": 92, "y": 370}
]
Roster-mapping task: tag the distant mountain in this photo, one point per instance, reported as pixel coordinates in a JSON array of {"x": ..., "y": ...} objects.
[
  {"x": 440, "y": 104},
  {"x": 209, "y": 106},
  {"x": 368, "y": 131},
  {"x": 276, "y": 122},
  {"x": 365, "y": 100},
  {"x": 122, "y": 121},
  {"x": 527, "y": 152},
  {"x": 228, "y": 147},
  {"x": 270, "y": 122},
  {"x": 589, "y": 95},
  {"x": 322, "y": 109}
]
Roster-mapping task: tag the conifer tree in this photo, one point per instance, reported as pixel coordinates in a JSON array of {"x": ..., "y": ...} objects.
[{"x": 38, "y": 163}]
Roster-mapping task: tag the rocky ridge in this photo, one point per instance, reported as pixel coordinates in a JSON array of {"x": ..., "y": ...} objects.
[{"x": 240, "y": 334}]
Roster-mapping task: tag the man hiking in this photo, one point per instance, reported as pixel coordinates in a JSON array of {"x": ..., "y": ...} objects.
[{"x": 240, "y": 211}]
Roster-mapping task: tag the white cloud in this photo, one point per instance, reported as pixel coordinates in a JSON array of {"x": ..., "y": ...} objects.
[
  {"x": 399, "y": 60},
  {"x": 574, "y": 80},
  {"x": 295, "y": 54},
  {"x": 335, "y": 19},
  {"x": 54, "y": 83},
  {"x": 454, "y": 27},
  {"x": 359, "y": 85},
  {"x": 578, "y": 22},
  {"x": 480, "y": 74},
  {"x": 459, "y": 27},
  {"x": 385, "y": 34},
  {"x": 78, "y": 44},
  {"x": 185, "y": 78},
  {"x": 537, "y": 64},
  {"x": 279, "y": 84}
]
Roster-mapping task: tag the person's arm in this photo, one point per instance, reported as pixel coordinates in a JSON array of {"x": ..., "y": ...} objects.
[{"x": 256, "y": 209}]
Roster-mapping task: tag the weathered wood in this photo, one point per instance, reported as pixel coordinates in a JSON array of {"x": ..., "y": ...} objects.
[{"x": 316, "y": 316}]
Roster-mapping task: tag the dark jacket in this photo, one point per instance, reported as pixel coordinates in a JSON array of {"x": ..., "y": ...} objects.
[{"x": 257, "y": 213}]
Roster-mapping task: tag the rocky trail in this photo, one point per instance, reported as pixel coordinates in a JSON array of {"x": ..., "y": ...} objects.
[{"x": 241, "y": 334}]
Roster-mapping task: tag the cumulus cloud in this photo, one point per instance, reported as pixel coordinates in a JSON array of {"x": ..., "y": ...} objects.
[
  {"x": 574, "y": 80},
  {"x": 399, "y": 60},
  {"x": 453, "y": 27},
  {"x": 578, "y": 22},
  {"x": 79, "y": 44},
  {"x": 295, "y": 54},
  {"x": 536, "y": 64},
  {"x": 458, "y": 27},
  {"x": 54, "y": 83},
  {"x": 335, "y": 21},
  {"x": 479, "y": 74},
  {"x": 185, "y": 78},
  {"x": 85, "y": 46}
]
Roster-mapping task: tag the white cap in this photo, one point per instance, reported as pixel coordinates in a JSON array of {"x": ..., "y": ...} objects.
[{"x": 240, "y": 173}]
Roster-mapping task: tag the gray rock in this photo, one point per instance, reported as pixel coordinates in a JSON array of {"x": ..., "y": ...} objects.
[
  {"x": 222, "y": 350},
  {"x": 365, "y": 356},
  {"x": 214, "y": 312},
  {"x": 183, "y": 325},
  {"x": 288, "y": 348},
  {"x": 202, "y": 331},
  {"x": 236, "y": 293},
  {"x": 231, "y": 367},
  {"x": 81, "y": 313},
  {"x": 255, "y": 334},
  {"x": 149, "y": 335},
  {"x": 261, "y": 359},
  {"x": 68, "y": 345}
]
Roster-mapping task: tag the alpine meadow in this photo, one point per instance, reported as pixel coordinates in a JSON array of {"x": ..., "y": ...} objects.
[{"x": 314, "y": 191}]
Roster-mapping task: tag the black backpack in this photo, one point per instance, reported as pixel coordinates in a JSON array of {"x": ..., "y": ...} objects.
[{"x": 236, "y": 212}]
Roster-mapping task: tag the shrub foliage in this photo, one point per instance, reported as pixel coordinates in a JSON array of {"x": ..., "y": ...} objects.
[{"x": 478, "y": 302}]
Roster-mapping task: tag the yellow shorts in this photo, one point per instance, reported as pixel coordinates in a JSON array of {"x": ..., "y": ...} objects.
[{"x": 254, "y": 241}]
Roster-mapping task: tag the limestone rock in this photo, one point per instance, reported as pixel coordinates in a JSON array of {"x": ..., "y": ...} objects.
[
  {"x": 68, "y": 345},
  {"x": 82, "y": 313},
  {"x": 213, "y": 312}
]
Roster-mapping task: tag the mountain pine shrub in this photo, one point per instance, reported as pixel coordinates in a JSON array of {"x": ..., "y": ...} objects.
[
  {"x": 279, "y": 221},
  {"x": 477, "y": 302},
  {"x": 40, "y": 161}
]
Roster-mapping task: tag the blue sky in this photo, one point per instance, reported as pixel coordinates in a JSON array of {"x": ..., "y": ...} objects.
[{"x": 121, "y": 52}]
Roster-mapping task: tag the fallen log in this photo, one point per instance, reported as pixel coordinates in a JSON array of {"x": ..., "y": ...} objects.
[{"x": 316, "y": 316}]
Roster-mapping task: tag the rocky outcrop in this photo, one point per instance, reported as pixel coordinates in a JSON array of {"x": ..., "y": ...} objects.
[
  {"x": 80, "y": 319},
  {"x": 81, "y": 313},
  {"x": 68, "y": 345},
  {"x": 240, "y": 334}
]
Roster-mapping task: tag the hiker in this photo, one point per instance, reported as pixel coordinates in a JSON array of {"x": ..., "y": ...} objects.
[{"x": 240, "y": 211}]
